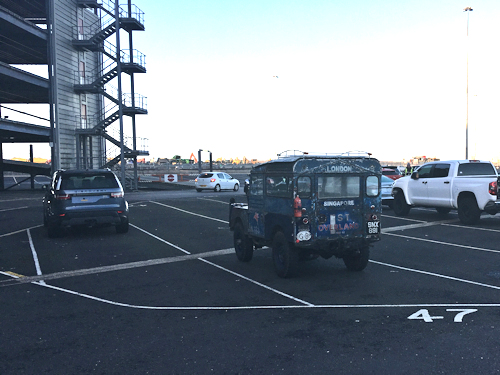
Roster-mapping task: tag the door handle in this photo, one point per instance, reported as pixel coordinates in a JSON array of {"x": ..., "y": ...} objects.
[{"x": 447, "y": 182}]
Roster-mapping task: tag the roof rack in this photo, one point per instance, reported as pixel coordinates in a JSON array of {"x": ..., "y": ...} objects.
[{"x": 290, "y": 153}]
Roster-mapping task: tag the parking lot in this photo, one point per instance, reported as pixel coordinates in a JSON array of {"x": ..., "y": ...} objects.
[{"x": 170, "y": 297}]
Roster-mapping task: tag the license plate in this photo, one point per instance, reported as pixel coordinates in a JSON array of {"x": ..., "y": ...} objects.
[
  {"x": 373, "y": 227},
  {"x": 88, "y": 199},
  {"x": 203, "y": 185}
]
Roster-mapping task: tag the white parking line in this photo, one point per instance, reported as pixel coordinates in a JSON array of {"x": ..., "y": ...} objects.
[
  {"x": 404, "y": 218},
  {"x": 190, "y": 213},
  {"x": 266, "y": 307},
  {"x": 138, "y": 264},
  {"x": 413, "y": 226},
  {"x": 213, "y": 200},
  {"x": 199, "y": 256},
  {"x": 437, "y": 275},
  {"x": 117, "y": 267},
  {"x": 444, "y": 243},
  {"x": 257, "y": 283},
  {"x": 19, "y": 231},
  {"x": 35, "y": 257},
  {"x": 19, "y": 199},
  {"x": 12, "y": 209},
  {"x": 472, "y": 228}
]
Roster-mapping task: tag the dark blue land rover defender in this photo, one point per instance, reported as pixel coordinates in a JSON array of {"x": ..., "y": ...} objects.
[{"x": 310, "y": 206}]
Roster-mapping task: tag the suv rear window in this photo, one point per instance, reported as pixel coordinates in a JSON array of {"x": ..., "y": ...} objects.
[
  {"x": 475, "y": 169},
  {"x": 88, "y": 181}
]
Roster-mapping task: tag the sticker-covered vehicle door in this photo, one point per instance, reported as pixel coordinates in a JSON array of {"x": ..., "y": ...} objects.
[{"x": 339, "y": 209}]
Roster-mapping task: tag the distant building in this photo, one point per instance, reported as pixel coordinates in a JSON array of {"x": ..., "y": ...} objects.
[{"x": 79, "y": 42}]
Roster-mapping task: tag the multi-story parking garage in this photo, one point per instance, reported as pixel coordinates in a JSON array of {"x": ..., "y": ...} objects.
[{"x": 89, "y": 85}]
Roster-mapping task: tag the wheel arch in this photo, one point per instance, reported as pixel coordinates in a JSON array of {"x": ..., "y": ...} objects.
[
  {"x": 398, "y": 190},
  {"x": 465, "y": 194}
]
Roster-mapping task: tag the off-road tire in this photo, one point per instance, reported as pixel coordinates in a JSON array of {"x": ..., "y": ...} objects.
[
  {"x": 243, "y": 245},
  {"x": 285, "y": 256},
  {"x": 400, "y": 207},
  {"x": 358, "y": 260},
  {"x": 468, "y": 211}
]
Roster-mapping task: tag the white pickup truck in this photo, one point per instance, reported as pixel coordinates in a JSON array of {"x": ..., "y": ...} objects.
[{"x": 469, "y": 186}]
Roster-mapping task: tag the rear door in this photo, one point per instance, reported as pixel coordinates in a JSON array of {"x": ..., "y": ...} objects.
[
  {"x": 339, "y": 209},
  {"x": 86, "y": 191},
  {"x": 204, "y": 179}
]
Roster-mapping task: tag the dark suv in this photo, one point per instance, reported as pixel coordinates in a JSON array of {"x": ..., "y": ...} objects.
[{"x": 84, "y": 197}]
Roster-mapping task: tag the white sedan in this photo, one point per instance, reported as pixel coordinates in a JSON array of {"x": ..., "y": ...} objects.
[{"x": 216, "y": 181}]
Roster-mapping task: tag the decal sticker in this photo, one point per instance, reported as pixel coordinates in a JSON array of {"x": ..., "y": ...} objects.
[
  {"x": 339, "y": 168},
  {"x": 304, "y": 235},
  {"x": 339, "y": 223},
  {"x": 339, "y": 203},
  {"x": 332, "y": 224}
]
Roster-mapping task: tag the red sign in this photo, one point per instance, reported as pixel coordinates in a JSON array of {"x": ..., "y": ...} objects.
[{"x": 171, "y": 177}]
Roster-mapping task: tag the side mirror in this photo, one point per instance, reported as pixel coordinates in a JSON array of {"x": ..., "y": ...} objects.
[
  {"x": 246, "y": 187},
  {"x": 414, "y": 176}
]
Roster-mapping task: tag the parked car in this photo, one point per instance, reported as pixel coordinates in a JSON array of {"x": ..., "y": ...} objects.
[
  {"x": 386, "y": 191},
  {"x": 84, "y": 197},
  {"x": 216, "y": 181},
  {"x": 469, "y": 186},
  {"x": 393, "y": 174}
]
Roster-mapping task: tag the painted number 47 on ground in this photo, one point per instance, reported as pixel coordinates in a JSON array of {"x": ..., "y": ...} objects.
[{"x": 424, "y": 315}]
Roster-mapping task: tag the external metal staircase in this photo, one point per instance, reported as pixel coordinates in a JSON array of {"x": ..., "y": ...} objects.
[{"x": 96, "y": 38}]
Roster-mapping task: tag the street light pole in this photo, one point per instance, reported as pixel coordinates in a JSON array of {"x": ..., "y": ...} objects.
[{"x": 468, "y": 10}]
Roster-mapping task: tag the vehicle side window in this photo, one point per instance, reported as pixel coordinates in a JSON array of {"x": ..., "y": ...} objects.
[
  {"x": 476, "y": 169},
  {"x": 278, "y": 186},
  {"x": 256, "y": 184},
  {"x": 220, "y": 175},
  {"x": 304, "y": 187},
  {"x": 425, "y": 171},
  {"x": 372, "y": 186},
  {"x": 441, "y": 170},
  {"x": 227, "y": 177}
]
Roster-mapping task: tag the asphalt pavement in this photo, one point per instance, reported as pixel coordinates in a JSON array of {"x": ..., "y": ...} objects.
[{"x": 170, "y": 296}]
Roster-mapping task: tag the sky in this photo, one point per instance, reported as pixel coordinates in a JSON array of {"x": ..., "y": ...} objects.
[{"x": 254, "y": 78}]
